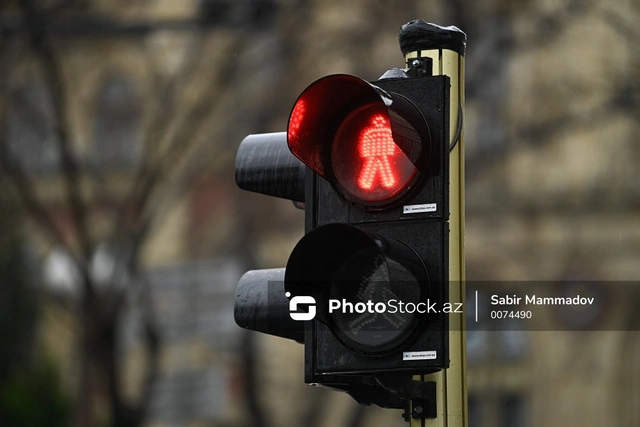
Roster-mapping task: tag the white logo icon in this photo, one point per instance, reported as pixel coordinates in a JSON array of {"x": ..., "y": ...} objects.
[{"x": 301, "y": 300}]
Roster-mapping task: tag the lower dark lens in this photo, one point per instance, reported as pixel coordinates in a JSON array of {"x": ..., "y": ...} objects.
[{"x": 366, "y": 321}]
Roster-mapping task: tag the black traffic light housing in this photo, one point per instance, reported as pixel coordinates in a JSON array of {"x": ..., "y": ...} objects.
[
  {"x": 370, "y": 161},
  {"x": 411, "y": 231}
]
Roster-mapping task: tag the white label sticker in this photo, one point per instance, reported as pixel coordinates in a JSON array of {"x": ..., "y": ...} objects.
[
  {"x": 428, "y": 207},
  {"x": 419, "y": 355}
]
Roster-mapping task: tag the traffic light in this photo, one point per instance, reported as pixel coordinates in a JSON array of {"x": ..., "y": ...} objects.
[
  {"x": 367, "y": 285},
  {"x": 374, "y": 256}
]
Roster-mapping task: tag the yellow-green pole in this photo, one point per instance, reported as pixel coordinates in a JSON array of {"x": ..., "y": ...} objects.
[{"x": 451, "y": 386}]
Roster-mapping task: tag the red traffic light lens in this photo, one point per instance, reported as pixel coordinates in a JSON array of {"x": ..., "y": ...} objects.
[
  {"x": 371, "y": 145},
  {"x": 366, "y": 160}
]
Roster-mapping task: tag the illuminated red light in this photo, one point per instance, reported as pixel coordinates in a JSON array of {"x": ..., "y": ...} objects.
[
  {"x": 365, "y": 143},
  {"x": 366, "y": 161},
  {"x": 376, "y": 146},
  {"x": 295, "y": 121}
]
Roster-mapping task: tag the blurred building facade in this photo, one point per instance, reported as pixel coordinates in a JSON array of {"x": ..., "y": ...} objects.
[{"x": 553, "y": 189}]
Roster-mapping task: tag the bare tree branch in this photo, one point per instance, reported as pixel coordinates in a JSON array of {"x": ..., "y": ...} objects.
[
  {"x": 69, "y": 165},
  {"x": 152, "y": 345},
  {"x": 190, "y": 125},
  {"x": 158, "y": 127},
  {"x": 166, "y": 100},
  {"x": 27, "y": 195}
]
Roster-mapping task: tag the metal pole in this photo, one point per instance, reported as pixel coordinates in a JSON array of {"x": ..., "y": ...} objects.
[{"x": 443, "y": 48}]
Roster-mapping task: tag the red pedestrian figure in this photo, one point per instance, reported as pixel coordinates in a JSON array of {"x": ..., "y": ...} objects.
[{"x": 376, "y": 146}]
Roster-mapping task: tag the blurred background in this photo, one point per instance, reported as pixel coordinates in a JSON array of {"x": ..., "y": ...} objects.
[{"x": 123, "y": 235}]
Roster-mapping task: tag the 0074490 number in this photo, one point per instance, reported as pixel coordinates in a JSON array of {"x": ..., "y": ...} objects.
[{"x": 510, "y": 314}]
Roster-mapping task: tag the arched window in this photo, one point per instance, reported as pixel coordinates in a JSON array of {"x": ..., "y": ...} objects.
[
  {"x": 118, "y": 130},
  {"x": 29, "y": 129}
]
